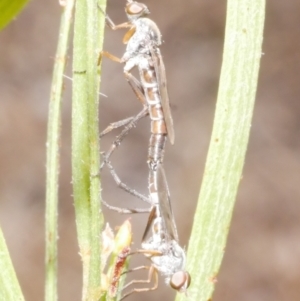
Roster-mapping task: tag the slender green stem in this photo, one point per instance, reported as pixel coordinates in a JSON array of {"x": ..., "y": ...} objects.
[
  {"x": 96, "y": 221},
  {"x": 53, "y": 140},
  {"x": 88, "y": 38},
  {"x": 9, "y": 286},
  {"x": 226, "y": 156},
  {"x": 80, "y": 146}
]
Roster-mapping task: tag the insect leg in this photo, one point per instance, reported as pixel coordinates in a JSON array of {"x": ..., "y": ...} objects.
[
  {"x": 110, "y": 22},
  {"x": 126, "y": 210},
  {"x": 109, "y": 56},
  {"x": 123, "y": 134},
  {"x": 152, "y": 274},
  {"x": 115, "y": 125},
  {"x": 136, "y": 86},
  {"x": 124, "y": 186}
]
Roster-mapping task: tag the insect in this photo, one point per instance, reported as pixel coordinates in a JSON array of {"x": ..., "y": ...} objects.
[
  {"x": 161, "y": 245},
  {"x": 160, "y": 240},
  {"x": 142, "y": 51},
  {"x": 143, "y": 39}
]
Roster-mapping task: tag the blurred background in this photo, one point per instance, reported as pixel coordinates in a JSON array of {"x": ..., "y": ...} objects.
[{"x": 262, "y": 258}]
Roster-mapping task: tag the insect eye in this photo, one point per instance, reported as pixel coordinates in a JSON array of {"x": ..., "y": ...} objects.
[
  {"x": 180, "y": 281},
  {"x": 136, "y": 8}
]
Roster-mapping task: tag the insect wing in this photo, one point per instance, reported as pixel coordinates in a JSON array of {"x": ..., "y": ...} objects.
[
  {"x": 151, "y": 218},
  {"x": 165, "y": 205},
  {"x": 162, "y": 84}
]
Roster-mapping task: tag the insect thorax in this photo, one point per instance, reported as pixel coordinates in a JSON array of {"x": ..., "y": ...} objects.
[
  {"x": 146, "y": 35},
  {"x": 172, "y": 260}
]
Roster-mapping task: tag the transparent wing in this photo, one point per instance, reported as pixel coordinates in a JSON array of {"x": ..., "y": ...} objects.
[
  {"x": 151, "y": 218},
  {"x": 161, "y": 218},
  {"x": 165, "y": 207},
  {"x": 162, "y": 84}
]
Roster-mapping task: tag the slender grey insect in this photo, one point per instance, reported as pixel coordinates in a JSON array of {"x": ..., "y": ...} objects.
[{"x": 161, "y": 245}]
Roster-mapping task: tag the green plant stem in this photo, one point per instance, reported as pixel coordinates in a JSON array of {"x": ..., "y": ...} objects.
[
  {"x": 226, "y": 156},
  {"x": 10, "y": 288},
  {"x": 53, "y": 140},
  {"x": 88, "y": 39}
]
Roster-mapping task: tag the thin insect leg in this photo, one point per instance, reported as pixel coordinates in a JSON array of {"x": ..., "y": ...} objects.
[
  {"x": 124, "y": 186},
  {"x": 126, "y": 210},
  {"x": 142, "y": 267},
  {"x": 115, "y": 125},
  {"x": 123, "y": 134},
  {"x": 116, "y": 143},
  {"x": 136, "y": 86},
  {"x": 148, "y": 253},
  {"x": 151, "y": 274},
  {"x": 109, "y": 56},
  {"x": 110, "y": 23}
]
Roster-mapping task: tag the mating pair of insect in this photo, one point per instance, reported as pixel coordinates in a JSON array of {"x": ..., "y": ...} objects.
[{"x": 160, "y": 239}]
